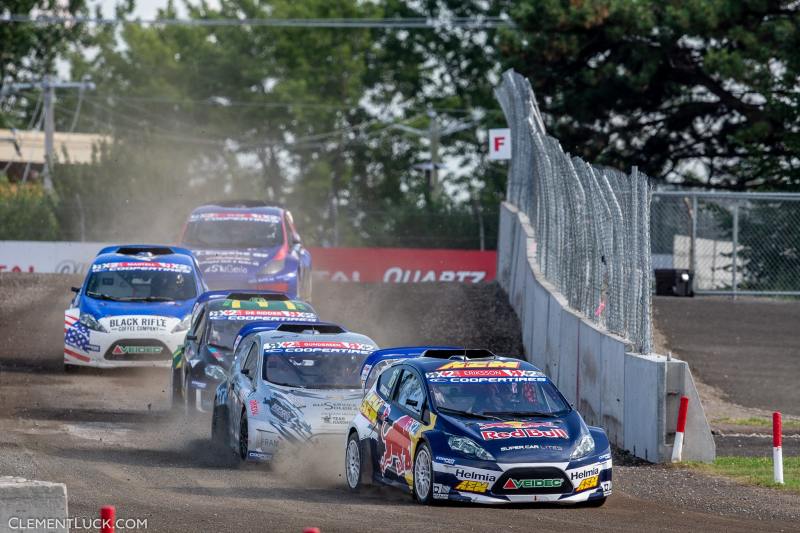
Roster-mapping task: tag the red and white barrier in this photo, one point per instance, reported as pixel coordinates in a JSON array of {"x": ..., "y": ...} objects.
[
  {"x": 777, "y": 448},
  {"x": 107, "y": 518},
  {"x": 677, "y": 447}
]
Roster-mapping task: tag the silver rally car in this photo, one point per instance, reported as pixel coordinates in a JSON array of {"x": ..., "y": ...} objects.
[{"x": 288, "y": 386}]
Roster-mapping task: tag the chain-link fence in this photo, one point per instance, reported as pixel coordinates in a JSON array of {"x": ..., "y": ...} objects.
[
  {"x": 734, "y": 243},
  {"x": 591, "y": 223}
]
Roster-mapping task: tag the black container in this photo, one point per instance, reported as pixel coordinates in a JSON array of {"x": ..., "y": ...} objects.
[{"x": 674, "y": 282}]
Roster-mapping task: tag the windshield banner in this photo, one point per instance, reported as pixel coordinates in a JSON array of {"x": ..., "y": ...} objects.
[
  {"x": 235, "y": 217},
  {"x": 148, "y": 266},
  {"x": 262, "y": 314},
  {"x": 319, "y": 347}
]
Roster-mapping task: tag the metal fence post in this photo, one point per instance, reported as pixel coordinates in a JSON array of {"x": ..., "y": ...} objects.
[
  {"x": 693, "y": 248},
  {"x": 735, "y": 246}
]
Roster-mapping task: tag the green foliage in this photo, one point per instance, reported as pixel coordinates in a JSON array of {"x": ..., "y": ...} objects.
[
  {"x": 26, "y": 213},
  {"x": 756, "y": 471},
  {"x": 28, "y": 51},
  {"x": 693, "y": 90}
]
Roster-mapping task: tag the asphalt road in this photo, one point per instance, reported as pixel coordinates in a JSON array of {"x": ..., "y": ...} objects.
[
  {"x": 748, "y": 348},
  {"x": 109, "y": 437}
]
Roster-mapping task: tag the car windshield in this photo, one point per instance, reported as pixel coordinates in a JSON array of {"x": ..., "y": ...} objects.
[
  {"x": 496, "y": 393},
  {"x": 333, "y": 368},
  {"x": 146, "y": 282},
  {"x": 222, "y": 333},
  {"x": 233, "y": 230}
]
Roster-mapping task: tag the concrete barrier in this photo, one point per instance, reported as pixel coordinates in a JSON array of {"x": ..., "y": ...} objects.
[
  {"x": 23, "y": 501},
  {"x": 632, "y": 396}
]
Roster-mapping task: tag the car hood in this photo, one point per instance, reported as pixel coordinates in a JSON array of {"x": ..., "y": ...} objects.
[
  {"x": 108, "y": 308},
  {"x": 535, "y": 439},
  {"x": 303, "y": 413},
  {"x": 234, "y": 262}
]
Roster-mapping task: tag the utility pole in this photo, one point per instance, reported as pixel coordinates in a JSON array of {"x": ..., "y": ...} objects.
[
  {"x": 49, "y": 132},
  {"x": 434, "y": 134},
  {"x": 48, "y": 86}
]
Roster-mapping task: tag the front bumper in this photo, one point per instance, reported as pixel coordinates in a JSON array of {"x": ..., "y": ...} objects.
[
  {"x": 123, "y": 350},
  {"x": 566, "y": 483}
]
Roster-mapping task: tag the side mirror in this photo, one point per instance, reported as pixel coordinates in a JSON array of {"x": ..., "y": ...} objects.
[
  {"x": 76, "y": 290},
  {"x": 246, "y": 372},
  {"x": 412, "y": 403},
  {"x": 191, "y": 337}
]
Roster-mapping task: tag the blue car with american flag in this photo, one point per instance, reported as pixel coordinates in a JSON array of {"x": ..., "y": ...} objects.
[{"x": 133, "y": 308}]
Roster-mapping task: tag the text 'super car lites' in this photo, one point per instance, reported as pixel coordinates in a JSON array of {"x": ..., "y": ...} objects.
[
  {"x": 133, "y": 308},
  {"x": 296, "y": 384},
  {"x": 219, "y": 318},
  {"x": 246, "y": 245},
  {"x": 475, "y": 428}
]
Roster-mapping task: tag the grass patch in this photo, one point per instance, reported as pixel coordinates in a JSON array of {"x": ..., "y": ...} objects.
[
  {"x": 755, "y": 471},
  {"x": 754, "y": 421}
]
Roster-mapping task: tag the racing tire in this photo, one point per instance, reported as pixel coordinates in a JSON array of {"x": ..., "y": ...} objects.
[
  {"x": 599, "y": 502},
  {"x": 219, "y": 425},
  {"x": 244, "y": 445},
  {"x": 356, "y": 463},
  {"x": 422, "y": 487},
  {"x": 176, "y": 396},
  {"x": 188, "y": 406}
]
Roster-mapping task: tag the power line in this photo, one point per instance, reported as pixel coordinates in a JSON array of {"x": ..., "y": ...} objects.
[{"x": 406, "y": 23}]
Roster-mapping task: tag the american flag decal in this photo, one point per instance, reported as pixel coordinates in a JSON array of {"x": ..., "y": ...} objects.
[{"x": 77, "y": 336}]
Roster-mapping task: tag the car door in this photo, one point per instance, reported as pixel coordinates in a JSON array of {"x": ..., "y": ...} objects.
[
  {"x": 243, "y": 384},
  {"x": 401, "y": 427}
]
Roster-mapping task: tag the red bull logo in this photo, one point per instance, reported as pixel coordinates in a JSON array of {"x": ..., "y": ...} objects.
[{"x": 555, "y": 433}]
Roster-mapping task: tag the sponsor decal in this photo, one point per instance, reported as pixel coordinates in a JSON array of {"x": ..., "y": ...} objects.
[
  {"x": 516, "y": 484},
  {"x": 604, "y": 457},
  {"x": 588, "y": 483},
  {"x": 259, "y": 456},
  {"x": 318, "y": 346},
  {"x": 453, "y": 365},
  {"x": 484, "y": 373},
  {"x": 280, "y": 412},
  {"x": 583, "y": 474},
  {"x": 445, "y": 460},
  {"x": 121, "y": 349},
  {"x": 606, "y": 487},
  {"x": 475, "y": 475},
  {"x": 268, "y": 442},
  {"x": 137, "y": 323},
  {"x": 440, "y": 491},
  {"x": 78, "y": 336},
  {"x": 235, "y": 217},
  {"x": 516, "y": 424},
  {"x": 396, "y": 454},
  {"x": 199, "y": 384},
  {"x": 531, "y": 447},
  {"x": 528, "y": 430},
  {"x": 148, "y": 266},
  {"x": 262, "y": 314},
  {"x": 472, "y": 486},
  {"x": 487, "y": 380},
  {"x": 253, "y": 407},
  {"x": 371, "y": 406}
]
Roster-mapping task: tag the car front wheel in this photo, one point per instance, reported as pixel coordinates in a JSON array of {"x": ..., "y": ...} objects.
[
  {"x": 423, "y": 475},
  {"x": 353, "y": 462}
]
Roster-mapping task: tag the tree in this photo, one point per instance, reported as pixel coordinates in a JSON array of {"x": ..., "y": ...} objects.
[
  {"x": 696, "y": 91},
  {"x": 28, "y": 51}
]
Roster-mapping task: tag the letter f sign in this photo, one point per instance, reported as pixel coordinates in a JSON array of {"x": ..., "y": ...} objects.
[{"x": 500, "y": 144}]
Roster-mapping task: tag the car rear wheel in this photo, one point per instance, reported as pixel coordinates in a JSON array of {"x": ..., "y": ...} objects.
[
  {"x": 188, "y": 406},
  {"x": 176, "y": 398},
  {"x": 219, "y": 425},
  {"x": 423, "y": 475},
  {"x": 354, "y": 462}
]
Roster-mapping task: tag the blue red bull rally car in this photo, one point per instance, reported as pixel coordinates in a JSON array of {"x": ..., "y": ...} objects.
[
  {"x": 248, "y": 245},
  {"x": 466, "y": 425},
  {"x": 133, "y": 308}
]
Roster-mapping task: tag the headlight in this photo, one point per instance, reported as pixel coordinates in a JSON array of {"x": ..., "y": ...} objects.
[
  {"x": 469, "y": 447},
  {"x": 183, "y": 325},
  {"x": 585, "y": 446},
  {"x": 215, "y": 372},
  {"x": 91, "y": 322},
  {"x": 273, "y": 267}
]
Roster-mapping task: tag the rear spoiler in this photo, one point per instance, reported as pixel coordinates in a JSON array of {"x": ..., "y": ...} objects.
[
  {"x": 458, "y": 353},
  {"x": 136, "y": 249},
  {"x": 388, "y": 355},
  {"x": 243, "y": 295},
  {"x": 297, "y": 327}
]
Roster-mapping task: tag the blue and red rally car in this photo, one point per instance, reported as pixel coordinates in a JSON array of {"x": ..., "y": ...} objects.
[{"x": 249, "y": 245}]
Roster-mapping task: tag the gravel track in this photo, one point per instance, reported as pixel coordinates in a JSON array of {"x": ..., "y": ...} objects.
[{"x": 109, "y": 437}]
